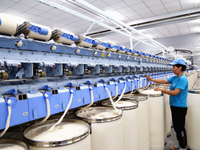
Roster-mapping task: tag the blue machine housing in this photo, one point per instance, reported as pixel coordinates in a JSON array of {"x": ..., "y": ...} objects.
[{"x": 29, "y": 90}]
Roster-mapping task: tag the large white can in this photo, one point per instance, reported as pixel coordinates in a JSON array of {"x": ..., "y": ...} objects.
[
  {"x": 13, "y": 144},
  {"x": 70, "y": 134},
  {"x": 106, "y": 127},
  {"x": 198, "y": 73},
  {"x": 167, "y": 113},
  {"x": 193, "y": 132},
  {"x": 189, "y": 77},
  {"x": 143, "y": 120},
  {"x": 130, "y": 122},
  {"x": 156, "y": 119},
  {"x": 168, "y": 117}
]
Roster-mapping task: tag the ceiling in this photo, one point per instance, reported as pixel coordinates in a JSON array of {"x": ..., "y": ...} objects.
[{"x": 154, "y": 18}]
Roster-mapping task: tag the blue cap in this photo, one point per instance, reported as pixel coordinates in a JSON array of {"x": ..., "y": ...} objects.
[{"x": 178, "y": 61}]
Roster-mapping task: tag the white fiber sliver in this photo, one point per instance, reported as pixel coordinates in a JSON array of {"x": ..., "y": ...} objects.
[
  {"x": 11, "y": 147},
  {"x": 94, "y": 114},
  {"x": 124, "y": 104},
  {"x": 104, "y": 115},
  {"x": 151, "y": 92},
  {"x": 63, "y": 131}
]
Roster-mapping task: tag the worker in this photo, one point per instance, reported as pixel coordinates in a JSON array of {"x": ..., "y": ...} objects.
[{"x": 178, "y": 100}]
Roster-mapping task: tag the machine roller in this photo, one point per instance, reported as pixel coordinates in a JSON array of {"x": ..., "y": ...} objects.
[
  {"x": 61, "y": 37},
  {"x": 34, "y": 31},
  {"x": 8, "y": 26}
]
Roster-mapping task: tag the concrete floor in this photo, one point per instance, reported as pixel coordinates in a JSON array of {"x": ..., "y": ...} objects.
[{"x": 171, "y": 140}]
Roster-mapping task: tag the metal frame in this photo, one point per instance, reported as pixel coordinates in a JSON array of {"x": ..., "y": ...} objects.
[
  {"x": 120, "y": 23},
  {"x": 154, "y": 44}
]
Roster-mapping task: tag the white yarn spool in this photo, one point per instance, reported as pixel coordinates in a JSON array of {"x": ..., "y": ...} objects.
[
  {"x": 37, "y": 36},
  {"x": 8, "y": 25}
]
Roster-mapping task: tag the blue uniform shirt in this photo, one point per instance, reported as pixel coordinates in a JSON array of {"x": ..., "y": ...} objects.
[{"x": 179, "y": 100}]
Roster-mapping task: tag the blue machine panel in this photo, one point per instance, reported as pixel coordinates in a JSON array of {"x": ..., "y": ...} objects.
[
  {"x": 37, "y": 106},
  {"x": 19, "y": 113}
]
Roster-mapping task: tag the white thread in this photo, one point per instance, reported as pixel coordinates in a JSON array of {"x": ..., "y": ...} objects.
[
  {"x": 7, "y": 122},
  {"x": 121, "y": 94},
  {"x": 92, "y": 100},
  {"x": 111, "y": 100},
  {"x": 116, "y": 92},
  {"x": 48, "y": 111},
  {"x": 61, "y": 118}
]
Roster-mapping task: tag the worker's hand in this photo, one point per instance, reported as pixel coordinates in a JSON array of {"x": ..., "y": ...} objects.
[
  {"x": 158, "y": 89},
  {"x": 148, "y": 77}
]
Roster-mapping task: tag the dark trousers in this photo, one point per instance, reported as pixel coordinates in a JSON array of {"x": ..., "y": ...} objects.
[{"x": 178, "y": 119}]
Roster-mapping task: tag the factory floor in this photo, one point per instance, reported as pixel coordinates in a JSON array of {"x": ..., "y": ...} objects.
[{"x": 171, "y": 140}]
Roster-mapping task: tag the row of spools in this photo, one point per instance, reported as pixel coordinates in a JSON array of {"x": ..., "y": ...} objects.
[
  {"x": 142, "y": 123},
  {"x": 8, "y": 26},
  {"x": 192, "y": 76}
]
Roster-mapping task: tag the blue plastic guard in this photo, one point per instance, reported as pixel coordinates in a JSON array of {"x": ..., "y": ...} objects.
[
  {"x": 88, "y": 82},
  {"x": 0, "y": 21},
  {"x": 95, "y": 42},
  {"x": 69, "y": 37},
  {"x": 46, "y": 87},
  {"x": 39, "y": 30},
  {"x": 102, "y": 81},
  {"x": 113, "y": 79},
  {"x": 91, "y": 41},
  {"x": 69, "y": 85},
  {"x": 118, "y": 47},
  {"x": 12, "y": 91},
  {"x": 128, "y": 50},
  {"x": 10, "y": 100},
  {"x": 107, "y": 45},
  {"x": 149, "y": 55},
  {"x": 141, "y": 53}
]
